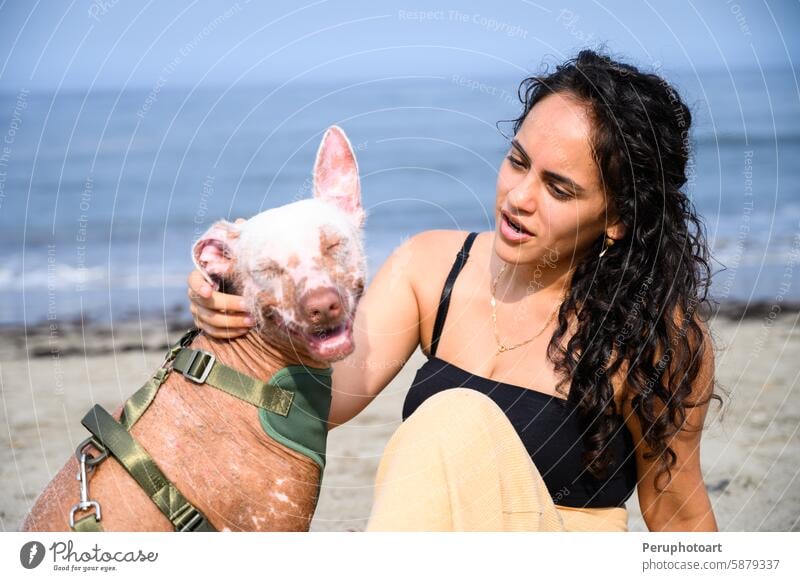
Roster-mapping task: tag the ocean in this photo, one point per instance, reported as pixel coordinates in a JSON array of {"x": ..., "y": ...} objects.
[{"x": 102, "y": 192}]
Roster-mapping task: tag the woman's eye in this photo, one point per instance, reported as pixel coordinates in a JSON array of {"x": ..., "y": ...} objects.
[
  {"x": 559, "y": 193},
  {"x": 334, "y": 246},
  {"x": 515, "y": 162}
]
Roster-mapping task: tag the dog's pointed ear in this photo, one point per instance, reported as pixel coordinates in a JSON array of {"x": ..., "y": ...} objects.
[
  {"x": 336, "y": 174},
  {"x": 214, "y": 254}
]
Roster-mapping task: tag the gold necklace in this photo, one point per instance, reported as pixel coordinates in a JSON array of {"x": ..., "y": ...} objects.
[{"x": 503, "y": 348}]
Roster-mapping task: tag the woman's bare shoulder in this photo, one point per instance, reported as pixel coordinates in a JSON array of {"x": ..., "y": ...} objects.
[
  {"x": 431, "y": 254},
  {"x": 438, "y": 237},
  {"x": 430, "y": 248}
]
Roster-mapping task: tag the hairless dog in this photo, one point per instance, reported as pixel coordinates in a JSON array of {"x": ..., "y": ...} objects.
[{"x": 301, "y": 269}]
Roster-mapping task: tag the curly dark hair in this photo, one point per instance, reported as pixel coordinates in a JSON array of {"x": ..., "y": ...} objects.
[{"x": 641, "y": 308}]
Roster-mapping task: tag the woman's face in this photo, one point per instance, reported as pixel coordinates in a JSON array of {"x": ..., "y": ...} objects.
[{"x": 550, "y": 185}]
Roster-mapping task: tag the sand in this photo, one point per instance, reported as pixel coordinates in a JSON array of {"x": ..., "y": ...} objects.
[{"x": 49, "y": 378}]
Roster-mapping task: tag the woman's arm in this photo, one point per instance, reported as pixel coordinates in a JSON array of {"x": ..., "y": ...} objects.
[
  {"x": 684, "y": 504},
  {"x": 386, "y": 333}
]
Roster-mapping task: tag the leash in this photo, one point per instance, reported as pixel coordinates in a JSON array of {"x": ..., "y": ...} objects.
[{"x": 293, "y": 408}]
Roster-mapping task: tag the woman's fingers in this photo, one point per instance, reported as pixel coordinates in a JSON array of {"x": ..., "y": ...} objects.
[
  {"x": 221, "y": 320},
  {"x": 219, "y": 301},
  {"x": 220, "y": 332},
  {"x": 216, "y": 331},
  {"x": 201, "y": 293},
  {"x": 220, "y": 315},
  {"x": 225, "y": 302},
  {"x": 198, "y": 287}
]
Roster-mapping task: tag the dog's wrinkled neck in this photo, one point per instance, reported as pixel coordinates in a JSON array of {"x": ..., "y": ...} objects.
[{"x": 256, "y": 355}]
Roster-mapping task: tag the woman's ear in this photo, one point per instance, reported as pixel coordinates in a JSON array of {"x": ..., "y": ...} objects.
[
  {"x": 617, "y": 231},
  {"x": 615, "y": 228},
  {"x": 214, "y": 254}
]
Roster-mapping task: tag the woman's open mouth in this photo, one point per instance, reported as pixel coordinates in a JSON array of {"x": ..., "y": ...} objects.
[{"x": 512, "y": 231}]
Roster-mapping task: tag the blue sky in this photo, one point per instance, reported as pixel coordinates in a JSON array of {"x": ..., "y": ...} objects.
[{"x": 122, "y": 43}]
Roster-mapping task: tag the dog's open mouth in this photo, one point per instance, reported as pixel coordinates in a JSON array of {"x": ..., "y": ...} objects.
[
  {"x": 331, "y": 343},
  {"x": 327, "y": 344}
]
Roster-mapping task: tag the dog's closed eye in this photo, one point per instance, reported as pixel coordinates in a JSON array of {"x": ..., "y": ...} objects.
[{"x": 270, "y": 271}]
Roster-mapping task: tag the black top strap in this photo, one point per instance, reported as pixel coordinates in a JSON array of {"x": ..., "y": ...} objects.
[{"x": 444, "y": 301}]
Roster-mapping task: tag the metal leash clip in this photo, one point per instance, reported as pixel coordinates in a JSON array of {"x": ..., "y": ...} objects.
[{"x": 84, "y": 503}]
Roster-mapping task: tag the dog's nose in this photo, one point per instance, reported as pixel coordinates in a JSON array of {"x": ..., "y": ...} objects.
[{"x": 321, "y": 306}]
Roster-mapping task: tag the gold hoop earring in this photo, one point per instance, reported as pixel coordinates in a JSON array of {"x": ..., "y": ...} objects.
[{"x": 608, "y": 243}]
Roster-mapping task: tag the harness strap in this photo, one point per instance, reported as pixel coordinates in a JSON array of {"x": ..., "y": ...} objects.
[
  {"x": 141, "y": 466},
  {"x": 303, "y": 432},
  {"x": 202, "y": 367},
  {"x": 138, "y": 403},
  {"x": 88, "y": 524}
]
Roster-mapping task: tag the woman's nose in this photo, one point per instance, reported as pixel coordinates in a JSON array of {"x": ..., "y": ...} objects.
[{"x": 523, "y": 195}]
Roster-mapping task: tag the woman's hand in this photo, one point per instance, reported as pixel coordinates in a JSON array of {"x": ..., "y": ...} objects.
[{"x": 223, "y": 316}]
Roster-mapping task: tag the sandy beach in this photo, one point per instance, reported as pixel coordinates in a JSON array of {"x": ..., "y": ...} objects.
[{"x": 50, "y": 377}]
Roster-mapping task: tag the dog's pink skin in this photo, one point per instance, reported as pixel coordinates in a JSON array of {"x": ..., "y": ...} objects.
[
  {"x": 212, "y": 447},
  {"x": 209, "y": 444}
]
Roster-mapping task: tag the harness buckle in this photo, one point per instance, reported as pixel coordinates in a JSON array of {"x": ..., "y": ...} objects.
[
  {"x": 184, "y": 341},
  {"x": 203, "y": 375},
  {"x": 197, "y": 518}
]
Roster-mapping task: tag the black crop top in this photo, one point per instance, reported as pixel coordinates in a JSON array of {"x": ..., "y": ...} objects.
[{"x": 548, "y": 425}]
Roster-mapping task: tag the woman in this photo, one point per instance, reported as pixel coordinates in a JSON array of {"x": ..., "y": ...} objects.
[{"x": 574, "y": 337}]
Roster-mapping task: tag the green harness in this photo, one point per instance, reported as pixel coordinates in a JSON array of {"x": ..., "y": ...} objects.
[{"x": 293, "y": 408}]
